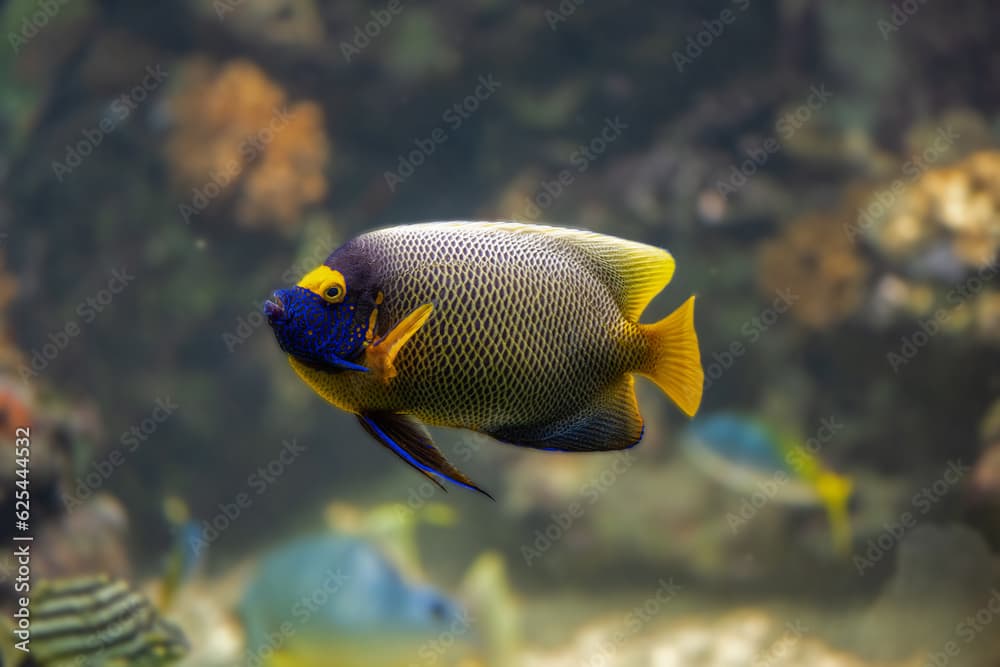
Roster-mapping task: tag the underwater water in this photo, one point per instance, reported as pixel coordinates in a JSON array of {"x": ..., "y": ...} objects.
[{"x": 825, "y": 176}]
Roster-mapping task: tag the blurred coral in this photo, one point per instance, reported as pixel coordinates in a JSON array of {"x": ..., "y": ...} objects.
[
  {"x": 290, "y": 175},
  {"x": 236, "y": 136},
  {"x": 742, "y": 637},
  {"x": 959, "y": 204},
  {"x": 816, "y": 260}
]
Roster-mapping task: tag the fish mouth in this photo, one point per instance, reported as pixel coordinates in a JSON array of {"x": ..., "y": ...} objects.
[{"x": 274, "y": 308}]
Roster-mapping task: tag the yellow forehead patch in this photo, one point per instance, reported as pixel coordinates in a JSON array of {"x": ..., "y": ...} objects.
[{"x": 321, "y": 279}]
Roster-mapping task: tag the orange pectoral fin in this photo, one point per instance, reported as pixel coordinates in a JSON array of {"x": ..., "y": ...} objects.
[{"x": 381, "y": 355}]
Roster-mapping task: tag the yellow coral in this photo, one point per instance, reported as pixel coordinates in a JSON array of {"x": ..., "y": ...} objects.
[
  {"x": 290, "y": 175},
  {"x": 958, "y": 204},
  {"x": 817, "y": 261},
  {"x": 236, "y": 137}
]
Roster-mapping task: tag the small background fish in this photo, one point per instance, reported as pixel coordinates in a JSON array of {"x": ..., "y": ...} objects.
[
  {"x": 744, "y": 454},
  {"x": 97, "y": 622},
  {"x": 344, "y": 604}
]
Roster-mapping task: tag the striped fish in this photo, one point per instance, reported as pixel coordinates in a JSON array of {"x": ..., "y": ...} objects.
[{"x": 97, "y": 622}]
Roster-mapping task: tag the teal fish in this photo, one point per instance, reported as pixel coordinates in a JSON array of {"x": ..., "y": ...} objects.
[
  {"x": 336, "y": 600},
  {"x": 744, "y": 453}
]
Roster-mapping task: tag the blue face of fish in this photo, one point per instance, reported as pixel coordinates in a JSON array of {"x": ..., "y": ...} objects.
[{"x": 318, "y": 322}]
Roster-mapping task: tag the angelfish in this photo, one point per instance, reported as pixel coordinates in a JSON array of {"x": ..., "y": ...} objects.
[{"x": 527, "y": 333}]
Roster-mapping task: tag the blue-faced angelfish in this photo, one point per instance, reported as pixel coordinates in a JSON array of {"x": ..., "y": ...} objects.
[{"x": 527, "y": 333}]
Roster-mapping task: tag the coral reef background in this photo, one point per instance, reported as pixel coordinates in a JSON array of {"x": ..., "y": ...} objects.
[{"x": 827, "y": 176}]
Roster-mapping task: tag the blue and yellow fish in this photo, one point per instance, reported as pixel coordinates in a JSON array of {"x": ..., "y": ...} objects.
[
  {"x": 527, "y": 333},
  {"x": 743, "y": 453},
  {"x": 336, "y": 600}
]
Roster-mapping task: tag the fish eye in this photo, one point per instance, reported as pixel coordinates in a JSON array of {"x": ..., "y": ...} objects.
[{"x": 334, "y": 294}]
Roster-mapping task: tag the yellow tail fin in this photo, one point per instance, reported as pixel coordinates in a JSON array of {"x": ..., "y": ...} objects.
[
  {"x": 674, "y": 361},
  {"x": 835, "y": 492}
]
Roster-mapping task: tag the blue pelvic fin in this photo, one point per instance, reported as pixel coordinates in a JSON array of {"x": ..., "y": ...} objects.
[
  {"x": 410, "y": 441},
  {"x": 329, "y": 363},
  {"x": 337, "y": 362}
]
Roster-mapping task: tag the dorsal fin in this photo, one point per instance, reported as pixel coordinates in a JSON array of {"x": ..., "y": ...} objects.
[{"x": 634, "y": 272}]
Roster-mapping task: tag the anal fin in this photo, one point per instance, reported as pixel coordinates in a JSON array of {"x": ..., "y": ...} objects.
[
  {"x": 612, "y": 422},
  {"x": 410, "y": 441}
]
